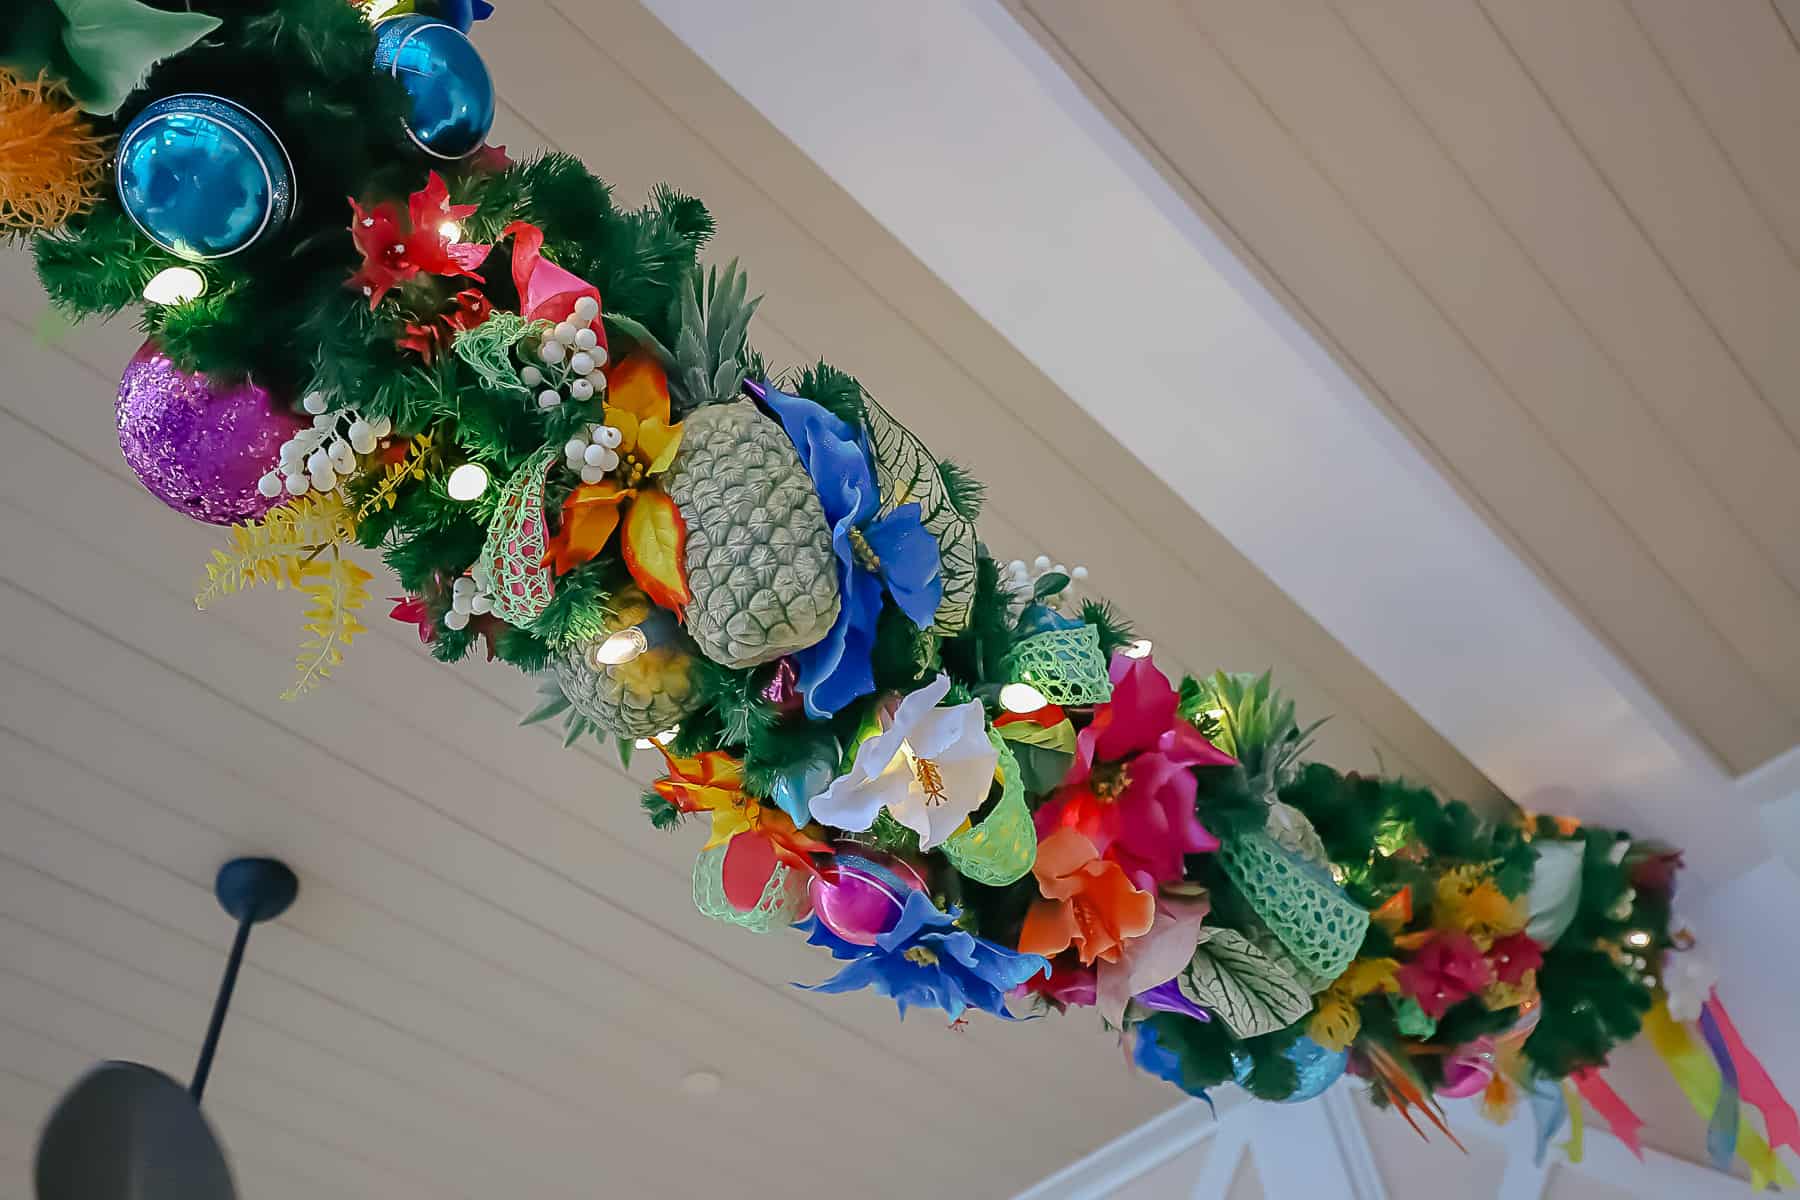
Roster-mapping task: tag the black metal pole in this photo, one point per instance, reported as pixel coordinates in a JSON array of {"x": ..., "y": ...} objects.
[{"x": 226, "y": 985}]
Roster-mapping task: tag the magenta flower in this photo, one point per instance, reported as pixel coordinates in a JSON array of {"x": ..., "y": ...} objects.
[
  {"x": 1446, "y": 971},
  {"x": 1131, "y": 789}
]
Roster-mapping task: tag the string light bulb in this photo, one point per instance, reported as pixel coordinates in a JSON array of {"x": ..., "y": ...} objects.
[
  {"x": 619, "y": 649},
  {"x": 175, "y": 285},
  {"x": 661, "y": 739},
  {"x": 1138, "y": 649},
  {"x": 467, "y": 482},
  {"x": 451, "y": 230},
  {"x": 1638, "y": 938},
  {"x": 1022, "y": 698}
]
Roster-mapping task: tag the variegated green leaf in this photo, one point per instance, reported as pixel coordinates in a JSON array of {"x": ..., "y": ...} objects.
[
  {"x": 1242, "y": 986},
  {"x": 908, "y": 474}
]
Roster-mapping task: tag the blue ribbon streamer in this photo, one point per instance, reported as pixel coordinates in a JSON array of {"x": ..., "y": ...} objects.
[
  {"x": 1722, "y": 1129},
  {"x": 1549, "y": 1110}
]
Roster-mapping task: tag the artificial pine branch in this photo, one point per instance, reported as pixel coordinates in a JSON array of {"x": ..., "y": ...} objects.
[
  {"x": 277, "y": 549},
  {"x": 338, "y": 590}
]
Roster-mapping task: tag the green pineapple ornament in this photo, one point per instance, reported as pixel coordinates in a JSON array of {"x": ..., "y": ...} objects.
[{"x": 645, "y": 694}]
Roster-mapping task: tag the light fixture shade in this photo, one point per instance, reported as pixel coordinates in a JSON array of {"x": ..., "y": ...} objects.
[{"x": 127, "y": 1132}]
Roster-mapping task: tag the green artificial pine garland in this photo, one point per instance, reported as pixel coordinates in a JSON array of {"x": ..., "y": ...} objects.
[{"x": 283, "y": 312}]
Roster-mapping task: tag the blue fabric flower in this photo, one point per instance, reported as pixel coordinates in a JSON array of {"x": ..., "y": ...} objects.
[
  {"x": 1154, "y": 1058},
  {"x": 895, "y": 553},
  {"x": 925, "y": 960}
]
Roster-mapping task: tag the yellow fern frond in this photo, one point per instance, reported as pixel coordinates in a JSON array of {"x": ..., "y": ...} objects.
[
  {"x": 337, "y": 590},
  {"x": 410, "y": 467},
  {"x": 276, "y": 549}
]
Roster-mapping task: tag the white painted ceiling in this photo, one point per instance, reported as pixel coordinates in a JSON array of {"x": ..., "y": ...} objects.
[{"x": 494, "y": 982}]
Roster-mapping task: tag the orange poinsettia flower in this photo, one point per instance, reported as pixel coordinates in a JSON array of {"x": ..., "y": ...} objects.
[
  {"x": 756, "y": 836},
  {"x": 1087, "y": 902},
  {"x": 637, "y": 405}
]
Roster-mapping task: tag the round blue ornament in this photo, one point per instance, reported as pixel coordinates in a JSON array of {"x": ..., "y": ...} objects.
[
  {"x": 203, "y": 177},
  {"x": 452, "y": 96},
  {"x": 1318, "y": 1068}
]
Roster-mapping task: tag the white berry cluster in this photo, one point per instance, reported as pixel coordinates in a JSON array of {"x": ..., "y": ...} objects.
[
  {"x": 593, "y": 452},
  {"x": 320, "y": 458},
  {"x": 572, "y": 358},
  {"x": 470, "y": 595},
  {"x": 1022, "y": 578}
]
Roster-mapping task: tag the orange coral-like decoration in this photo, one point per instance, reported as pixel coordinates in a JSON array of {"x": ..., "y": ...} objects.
[{"x": 52, "y": 163}]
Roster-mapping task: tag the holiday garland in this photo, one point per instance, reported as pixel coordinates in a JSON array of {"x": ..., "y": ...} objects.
[{"x": 958, "y": 778}]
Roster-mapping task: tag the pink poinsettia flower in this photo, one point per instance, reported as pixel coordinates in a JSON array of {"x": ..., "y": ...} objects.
[
  {"x": 1130, "y": 790},
  {"x": 1447, "y": 970},
  {"x": 395, "y": 252}
]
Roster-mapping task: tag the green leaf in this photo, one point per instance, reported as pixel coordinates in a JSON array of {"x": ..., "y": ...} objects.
[
  {"x": 1242, "y": 986},
  {"x": 1050, "y": 583},
  {"x": 909, "y": 474},
  {"x": 639, "y": 333},
  {"x": 487, "y": 349}
]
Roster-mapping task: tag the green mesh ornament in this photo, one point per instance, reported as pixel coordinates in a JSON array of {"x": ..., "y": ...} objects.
[
  {"x": 1066, "y": 665},
  {"x": 784, "y": 900},
  {"x": 1320, "y": 926},
  {"x": 513, "y": 554},
  {"x": 1002, "y": 848}
]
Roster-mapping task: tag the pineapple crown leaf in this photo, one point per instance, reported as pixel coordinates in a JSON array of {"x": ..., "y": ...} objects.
[
  {"x": 551, "y": 701},
  {"x": 711, "y": 351},
  {"x": 1255, "y": 724}
]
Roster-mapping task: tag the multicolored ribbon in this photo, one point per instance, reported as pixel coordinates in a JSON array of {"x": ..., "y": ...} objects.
[
  {"x": 1700, "y": 1081},
  {"x": 1549, "y": 1110},
  {"x": 1617, "y": 1114},
  {"x": 1753, "y": 1080},
  {"x": 1722, "y": 1128},
  {"x": 1575, "y": 1146}
]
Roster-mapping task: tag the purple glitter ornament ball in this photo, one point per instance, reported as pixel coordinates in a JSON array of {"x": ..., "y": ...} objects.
[{"x": 199, "y": 446}]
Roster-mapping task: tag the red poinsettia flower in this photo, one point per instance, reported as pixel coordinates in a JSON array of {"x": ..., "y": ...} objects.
[
  {"x": 468, "y": 308},
  {"x": 1131, "y": 791},
  {"x": 411, "y": 609},
  {"x": 1068, "y": 984},
  {"x": 1514, "y": 957},
  {"x": 396, "y": 250},
  {"x": 1447, "y": 970}
]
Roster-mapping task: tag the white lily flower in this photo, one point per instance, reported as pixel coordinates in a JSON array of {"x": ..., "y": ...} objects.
[{"x": 930, "y": 768}]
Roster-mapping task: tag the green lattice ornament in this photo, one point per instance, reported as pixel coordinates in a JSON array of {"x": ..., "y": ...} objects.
[
  {"x": 517, "y": 538},
  {"x": 1066, "y": 665},
  {"x": 784, "y": 899},
  {"x": 1002, "y": 848},
  {"x": 1320, "y": 926}
]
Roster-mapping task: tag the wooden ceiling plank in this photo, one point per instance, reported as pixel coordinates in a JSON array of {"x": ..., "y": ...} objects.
[
  {"x": 1740, "y": 68},
  {"x": 42, "y": 1026},
  {"x": 1486, "y": 112},
  {"x": 266, "y": 995},
  {"x": 1600, "y": 71},
  {"x": 272, "y": 1048},
  {"x": 1354, "y": 124},
  {"x": 1221, "y": 147}
]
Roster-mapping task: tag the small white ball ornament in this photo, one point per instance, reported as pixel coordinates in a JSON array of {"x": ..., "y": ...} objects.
[
  {"x": 582, "y": 364},
  {"x": 581, "y": 389},
  {"x": 574, "y": 448},
  {"x": 609, "y": 437},
  {"x": 297, "y": 483},
  {"x": 595, "y": 456},
  {"x": 314, "y": 403},
  {"x": 269, "y": 485},
  {"x": 362, "y": 436},
  {"x": 552, "y": 351},
  {"x": 587, "y": 308},
  {"x": 586, "y": 339},
  {"x": 549, "y": 398},
  {"x": 592, "y": 474},
  {"x": 530, "y": 376},
  {"x": 456, "y": 620},
  {"x": 565, "y": 332}
]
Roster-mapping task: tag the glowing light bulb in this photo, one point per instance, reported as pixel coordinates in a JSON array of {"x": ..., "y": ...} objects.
[
  {"x": 620, "y": 648},
  {"x": 467, "y": 482},
  {"x": 175, "y": 285},
  {"x": 667, "y": 735},
  {"x": 1022, "y": 698},
  {"x": 1638, "y": 938},
  {"x": 451, "y": 230},
  {"x": 1217, "y": 714},
  {"x": 1138, "y": 649}
]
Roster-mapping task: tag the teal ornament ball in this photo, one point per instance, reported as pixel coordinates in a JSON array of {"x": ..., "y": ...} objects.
[
  {"x": 202, "y": 177},
  {"x": 1317, "y": 1068},
  {"x": 452, "y": 97}
]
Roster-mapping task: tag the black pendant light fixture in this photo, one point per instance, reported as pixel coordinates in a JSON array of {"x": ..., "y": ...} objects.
[{"x": 129, "y": 1132}]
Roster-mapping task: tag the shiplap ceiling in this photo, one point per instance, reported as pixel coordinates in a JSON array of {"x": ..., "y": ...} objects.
[
  {"x": 1559, "y": 241},
  {"x": 494, "y": 982}
]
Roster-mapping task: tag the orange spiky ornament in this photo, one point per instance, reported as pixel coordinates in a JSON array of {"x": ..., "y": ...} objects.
[{"x": 52, "y": 163}]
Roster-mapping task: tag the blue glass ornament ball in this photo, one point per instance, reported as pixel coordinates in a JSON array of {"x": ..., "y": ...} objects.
[
  {"x": 1318, "y": 1068},
  {"x": 448, "y": 84},
  {"x": 203, "y": 177}
]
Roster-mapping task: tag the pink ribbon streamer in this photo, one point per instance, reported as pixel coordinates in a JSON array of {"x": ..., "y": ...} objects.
[
  {"x": 1754, "y": 1084},
  {"x": 1617, "y": 1114}
]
